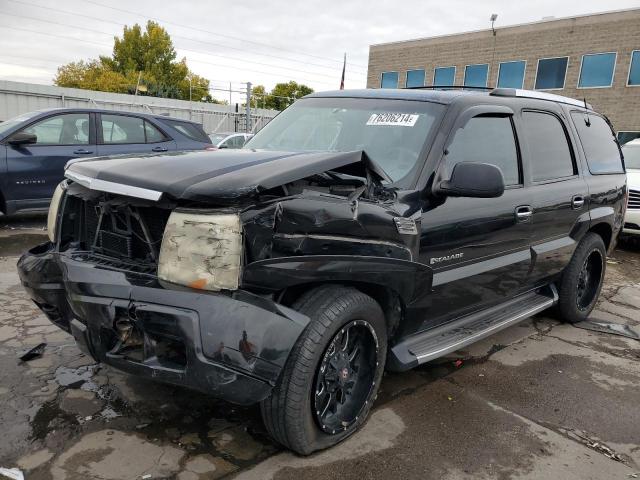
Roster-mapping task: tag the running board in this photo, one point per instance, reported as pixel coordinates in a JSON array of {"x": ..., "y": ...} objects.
[{"x": 440, "y": 341}]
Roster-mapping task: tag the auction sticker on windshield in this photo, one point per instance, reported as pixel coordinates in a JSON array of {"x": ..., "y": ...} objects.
[{"x": 393, "y": 119}]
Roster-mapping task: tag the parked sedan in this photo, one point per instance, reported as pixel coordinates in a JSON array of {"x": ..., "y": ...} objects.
[
  {"x": 35, "y": 147},
  {"x": 631, "y": 153},
  {"x": 229, "y": 140}
]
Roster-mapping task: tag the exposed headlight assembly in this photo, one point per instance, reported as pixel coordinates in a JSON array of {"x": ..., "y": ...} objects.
[
  {"x": 54, "y": 207},
  {"x": 201, "y": 251}
]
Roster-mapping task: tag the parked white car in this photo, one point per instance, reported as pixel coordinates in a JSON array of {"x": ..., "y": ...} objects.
[
  {"x": 631, "y": 152},
  {"x": 229, "y": 140}
]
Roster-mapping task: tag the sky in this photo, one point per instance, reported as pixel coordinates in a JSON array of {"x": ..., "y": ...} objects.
[{"x": 262, "y": 42}]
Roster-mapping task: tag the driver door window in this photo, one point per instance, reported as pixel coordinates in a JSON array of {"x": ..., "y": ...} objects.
[
  {"x": 487, "y": 139},
  {"x": 67, "y": 129}
]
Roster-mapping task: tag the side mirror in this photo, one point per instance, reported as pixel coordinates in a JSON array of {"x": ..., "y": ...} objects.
[
  {"x": 480, "y": 180},
  {"x": 22, "y": 138}
]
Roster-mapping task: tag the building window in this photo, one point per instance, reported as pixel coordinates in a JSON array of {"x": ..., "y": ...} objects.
[
  {"x": 551, "y": 73},
  {"x": 511, "y": 74},
  {"x": 476, "y": 75},
  {"x": 634, "y": 69},
  {"x": 415, "y": 78},
  {"x": 389, "y": 80},
  {"x": 597, "y": 70},
  {"x": 444, "y": 76},
  {"x": 626, "y": 137}
]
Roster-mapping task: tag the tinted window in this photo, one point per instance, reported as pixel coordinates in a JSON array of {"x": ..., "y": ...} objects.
[
  {"x": 511, "y": 74},
  {"x": 549, "y": 151},
  {"x": 67, "y": 129},
  {"x": 153, "y": 134},
  {"x": 122, "y": 129},
  {"x": 415, "y": 78},
  {"x": 476, "y": 75},
  {"x": 551, "y": 73},
  {"x": 634, "y": 70},
  {"x": 389, "y": 80},
  {"x": 444, "y": 76},
  {"x": 486, "y": 140},
  {"x": 191, "y": 130},
  {"x": 599, "y": 143},
  {"x": 624, "y": 137},
  {"x": 597, "y": 70}
]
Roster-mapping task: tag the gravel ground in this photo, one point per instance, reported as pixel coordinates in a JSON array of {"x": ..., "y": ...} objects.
[{"x": 539, "y": 400}]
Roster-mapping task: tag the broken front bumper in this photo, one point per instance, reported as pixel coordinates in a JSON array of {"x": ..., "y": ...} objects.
[{"x": 232, "y": 346}]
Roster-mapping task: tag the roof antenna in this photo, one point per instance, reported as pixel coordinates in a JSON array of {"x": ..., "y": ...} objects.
[{"x": 587, "y": 120}]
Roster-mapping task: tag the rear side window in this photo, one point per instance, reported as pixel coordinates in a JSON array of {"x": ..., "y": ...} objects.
[
  {"x": 486, "y": 140},
  {"x": 190, "y": 130},
  {"x": 549, "y": 148},
  {"x": 599, "y": 143},
  {"x": 153, "y": 134},
  {"x": 122, "y": 129}
]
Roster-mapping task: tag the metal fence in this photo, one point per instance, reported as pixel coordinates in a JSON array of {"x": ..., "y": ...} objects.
[{"x": 17, "y": 98}]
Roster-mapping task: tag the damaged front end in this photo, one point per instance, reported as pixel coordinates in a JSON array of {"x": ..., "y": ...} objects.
[{"x": 191, "y": 287}]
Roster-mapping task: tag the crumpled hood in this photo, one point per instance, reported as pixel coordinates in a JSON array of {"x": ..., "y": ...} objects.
[{"x": 221, "y": 174}]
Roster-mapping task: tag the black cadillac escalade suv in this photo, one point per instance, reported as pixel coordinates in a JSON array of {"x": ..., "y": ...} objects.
[{"x": 358, "y": 231}]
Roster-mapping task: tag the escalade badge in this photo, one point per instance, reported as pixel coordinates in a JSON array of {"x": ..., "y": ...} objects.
[{"x": 446, "y": 258}]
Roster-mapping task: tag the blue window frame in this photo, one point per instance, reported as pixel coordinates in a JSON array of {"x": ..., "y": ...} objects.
[
  {"x": 476, "y": 75},
  {"x": 415, "y": 78},
  {"x": 511, "y": 74},
  {"x": 389, "y": 80},
  {"x": 551, "y": 73},
  {"x": 634, "y": 69},
  {"x": 444, "y": 76},
  {"x": 597, "y": 70}
]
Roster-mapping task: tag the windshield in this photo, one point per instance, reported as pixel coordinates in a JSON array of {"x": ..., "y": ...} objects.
[
  {"x": 631, "y": 156},
  {"x": 15, "y": 121},
  {"x": 217, "y": 137},
  {"x": 391, "y": 132}
]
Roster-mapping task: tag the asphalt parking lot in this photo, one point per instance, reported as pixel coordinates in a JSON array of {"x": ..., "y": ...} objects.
[{"x": 539, "y": 400}]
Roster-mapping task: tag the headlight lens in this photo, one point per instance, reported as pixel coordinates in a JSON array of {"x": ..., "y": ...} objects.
[
  {"x": 201, "y": 251},
  {"x": 52, "y": 217}
]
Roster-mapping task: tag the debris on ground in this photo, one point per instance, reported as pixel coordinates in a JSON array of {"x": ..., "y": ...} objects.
[
  {"x": 609, "y": 327},
  {"x": 11, "y": 473},
  {"x": 596, "y": 445},
  {"x": 458, "y": 363},
  {"x": 35, "y": 352}
]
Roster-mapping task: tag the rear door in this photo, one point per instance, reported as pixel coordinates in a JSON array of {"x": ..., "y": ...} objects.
[
  {"x": 34, "y": 170},
  {"x": 478, "y": 247},
  {"x": 119, "y": 134},
  {"x": 558, "y": 192}
]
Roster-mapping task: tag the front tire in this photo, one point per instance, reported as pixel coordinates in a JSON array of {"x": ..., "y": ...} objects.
[
  {"x": 331, "y": 378},
  {"x": 582, "y": 279}
]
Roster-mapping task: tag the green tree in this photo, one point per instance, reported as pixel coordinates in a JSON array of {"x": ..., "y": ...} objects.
[
  {"x": 280, "y": 97},
  {"x": 140, "y": 57}
]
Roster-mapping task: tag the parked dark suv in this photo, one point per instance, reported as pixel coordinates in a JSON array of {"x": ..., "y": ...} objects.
[
  {"x": 35, "y": 147},
  {"x": 358, "y": 231}
]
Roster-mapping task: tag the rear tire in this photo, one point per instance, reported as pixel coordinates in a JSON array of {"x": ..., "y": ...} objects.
[
  {"x": 331, "y": 378},
  {"x": 582, "y": 279}
]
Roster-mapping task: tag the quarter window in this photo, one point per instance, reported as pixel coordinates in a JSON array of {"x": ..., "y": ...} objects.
[
  {"x": 389, "y": 80},
  {"x": 634, "y": 68},
  {"x": 597, "y": 70},
  {"x": 511, "y": 74},
  {"x": 444, "y": 76},
  {"x": 599, "y": 143},
  {"x": 549, "y": 150},
  {"x": 415, "y": 78},
  {"x": 486, "y": 140},
  {"x": 66, "y": 129},
  {"x": 476, "y": 75},
  {"x": 551, "y": 73},
  {"x": 122, "y": 129}
]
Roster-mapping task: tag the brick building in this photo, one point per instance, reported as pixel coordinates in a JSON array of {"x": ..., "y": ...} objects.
[{"x": 596, "y": 57}]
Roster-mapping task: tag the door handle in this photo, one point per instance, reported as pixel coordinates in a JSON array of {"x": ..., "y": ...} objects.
[
  {"x": 159, "y": 149},
  {"x": 577, "y": 202},
  {"x": 82, "y": 151},
  {"x": 523, "y": 213}
]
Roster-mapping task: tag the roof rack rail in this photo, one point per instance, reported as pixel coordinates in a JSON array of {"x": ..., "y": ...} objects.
[
  {"x": 552, "y": 97},
  {"x": 450, "y": 87}
]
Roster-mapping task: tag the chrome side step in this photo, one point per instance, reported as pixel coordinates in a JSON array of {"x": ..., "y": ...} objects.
[{"x": 450, "y": 337}]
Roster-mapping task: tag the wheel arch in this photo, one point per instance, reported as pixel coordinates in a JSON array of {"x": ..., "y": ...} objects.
[{"x": 606, "y": 233}]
